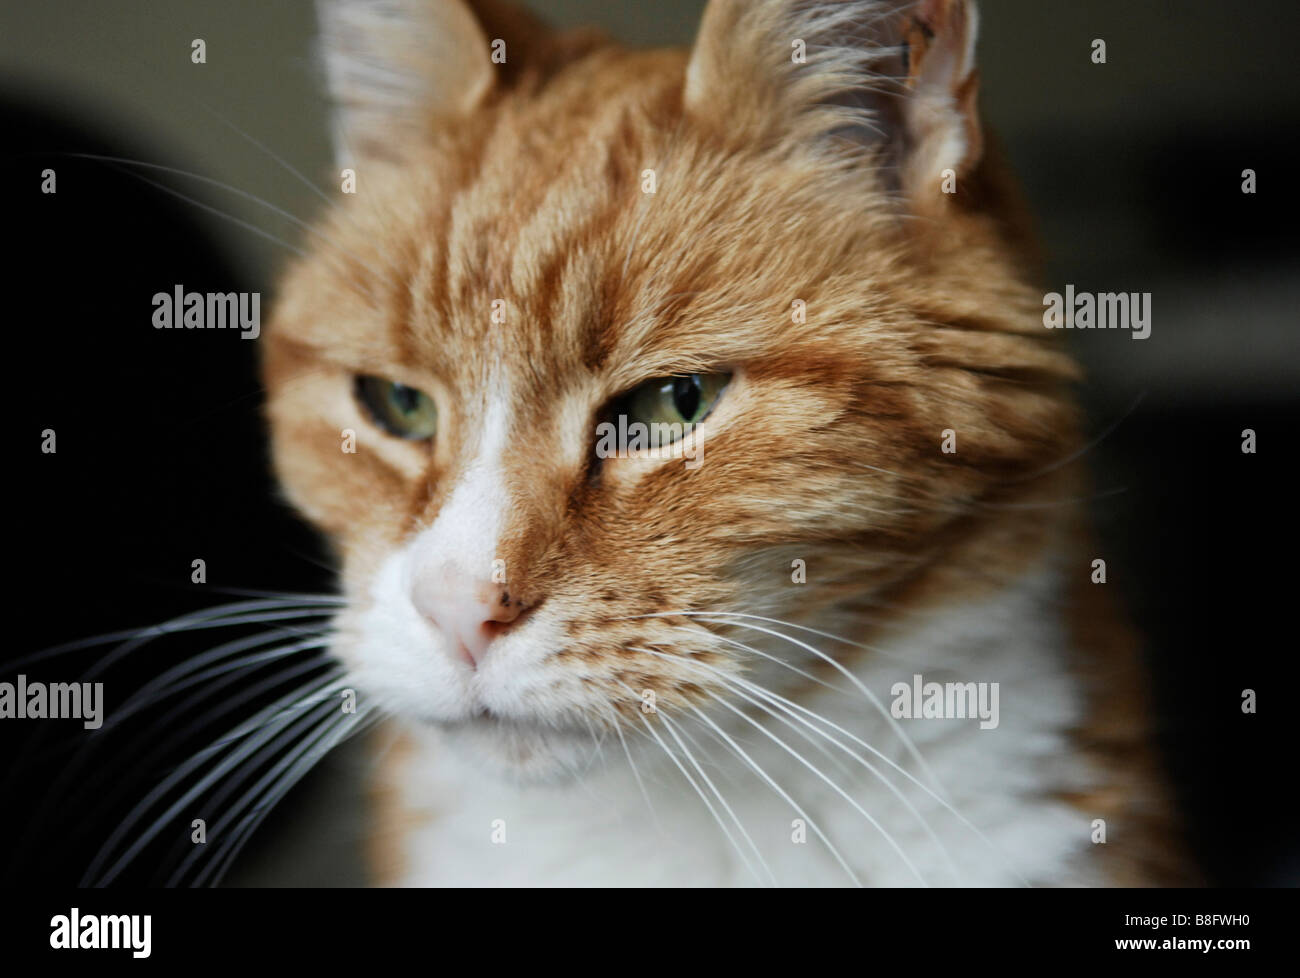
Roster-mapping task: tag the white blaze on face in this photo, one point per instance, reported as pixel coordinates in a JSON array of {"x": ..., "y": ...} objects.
[
  {"x": 408, "y": 651},
  {"x": 428, "y": 646},
  {"x": 450, "y": 564}
]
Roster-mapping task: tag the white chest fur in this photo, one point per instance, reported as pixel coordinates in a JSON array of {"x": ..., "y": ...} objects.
[{"x": 610, "y": 829}]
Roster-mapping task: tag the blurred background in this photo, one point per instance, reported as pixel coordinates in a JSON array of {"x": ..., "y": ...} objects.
[{"x": 1133, "y": 169}]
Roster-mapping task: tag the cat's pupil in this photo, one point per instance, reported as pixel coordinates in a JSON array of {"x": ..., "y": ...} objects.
[
  {"x": 404, "y": 398},
  {"x": 686, "y": 396}
]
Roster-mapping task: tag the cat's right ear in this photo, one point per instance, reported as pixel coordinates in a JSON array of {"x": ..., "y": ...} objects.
[
  {"x": 397, "y": 67},
  {"x": 894, "y": 80}
]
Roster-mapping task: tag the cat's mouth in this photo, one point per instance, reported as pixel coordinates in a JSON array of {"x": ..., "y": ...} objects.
[{"x": 493, "y": 722}]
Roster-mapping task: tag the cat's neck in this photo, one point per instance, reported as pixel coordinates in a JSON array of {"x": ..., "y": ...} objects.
[{"x": 1001, "y": 772}]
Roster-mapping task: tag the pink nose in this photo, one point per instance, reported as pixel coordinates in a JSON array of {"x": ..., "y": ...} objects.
[{"x": 470, "y": 614}]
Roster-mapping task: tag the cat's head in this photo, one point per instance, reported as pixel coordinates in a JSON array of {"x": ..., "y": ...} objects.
[{"x": 784, "y": 241}]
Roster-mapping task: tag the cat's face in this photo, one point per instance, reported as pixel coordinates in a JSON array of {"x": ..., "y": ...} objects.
[{"x": 546, "y": 255}]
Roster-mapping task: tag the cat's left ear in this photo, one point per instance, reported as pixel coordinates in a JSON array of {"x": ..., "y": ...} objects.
[
  {"x": 397, "y": 66},
  {"x": 897, "y": 77}
]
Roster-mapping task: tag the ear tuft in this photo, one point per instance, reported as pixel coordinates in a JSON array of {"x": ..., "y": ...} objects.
[
  {"x": 896, "y": 78},
  {"x": 396, "y": 65},
  {"x": 938, "y": 51}
]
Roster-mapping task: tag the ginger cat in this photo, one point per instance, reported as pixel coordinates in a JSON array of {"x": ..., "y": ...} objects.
[{"x": 707, "y": 662}]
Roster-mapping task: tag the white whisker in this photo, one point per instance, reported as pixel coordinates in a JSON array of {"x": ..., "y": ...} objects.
[
  {"x": 857, "y": 683},
  {"x": 672, "y": 729},
  {"x": 262, "y": 727},
  {"x": 294, "y": 766},
  {"x": 801, "y": 759},
  {"x": 757, "y": 768},
  {"x": 703, "y": 797}
]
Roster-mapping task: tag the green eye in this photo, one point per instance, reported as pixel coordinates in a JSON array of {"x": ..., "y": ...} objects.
[
  {"x": 398, "y": 409},
  {"x": 674, "y": 400}
]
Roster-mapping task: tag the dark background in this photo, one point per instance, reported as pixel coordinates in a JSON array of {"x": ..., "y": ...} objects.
[{"x": 1132, "y": 168}]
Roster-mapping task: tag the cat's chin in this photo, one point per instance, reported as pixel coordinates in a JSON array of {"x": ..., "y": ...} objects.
[{"x": 522, "y": 752}]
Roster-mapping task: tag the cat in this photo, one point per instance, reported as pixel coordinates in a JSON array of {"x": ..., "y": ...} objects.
[{"x": 794, "y": 240}]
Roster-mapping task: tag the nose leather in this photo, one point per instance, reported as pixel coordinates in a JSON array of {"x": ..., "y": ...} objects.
[{"x": 469, "y": 613}]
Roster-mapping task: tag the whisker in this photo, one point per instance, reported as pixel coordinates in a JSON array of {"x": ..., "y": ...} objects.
[
  {"x": 783, "y": 702},
  {"x": 305, "y": 599},
  {"x": 671, "y": 728},
  {"x": 140, "y": 701},
  {"x": 775, "y": 621},
  {"x": 858, "y": 684},
  {"x": 787, "y": 703},
  {"x": 703, "y": 797},
  {"x": 247, "y": 692},
  {"x": 322, "y": 715},
  {"x": 769, "y": 657},
  {"x": 142, "y": 698},
  {"x": 137, "y": 639},
  {"x": 739, "y": 684},
  {"x": 190, "y": 174},
  {"x": 255, "y": 818},
  {"x": 207, "y": 618},
  {"x": 1090, "y": 444},
  {"x": 721, "y": 771},
  {"x": 833, "y": 786},
  {"x": 113, "y": 788},
  {"x": 268, "y": 785},
  {"x": 733, "y": 683},
  {"x": 636, "y": 774},
  {"x": 261, "y": 727},
  {"x": 862, "y": 688},
  {"x": 279, "y": 211},
  {"x": 757, "y": 768},
  {"x": 131, "y": 51},
  {"x": 309, "y": 184},
  {"x": 213, "y": 210}
]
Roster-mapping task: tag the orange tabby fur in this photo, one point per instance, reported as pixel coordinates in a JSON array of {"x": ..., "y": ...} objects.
[{"x": 922, "y": 315}]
